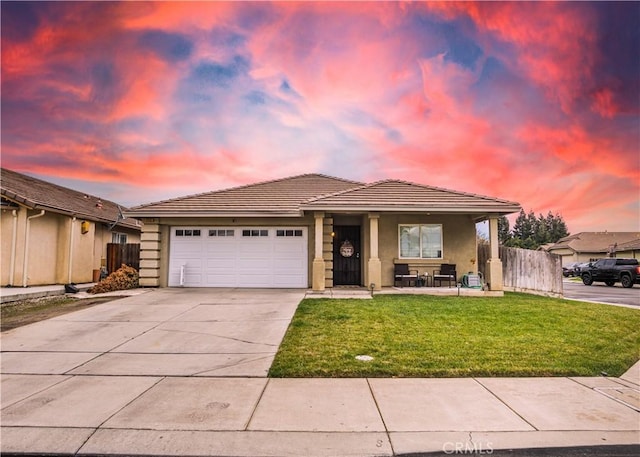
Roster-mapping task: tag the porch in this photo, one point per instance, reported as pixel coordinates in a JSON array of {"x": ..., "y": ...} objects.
[
  {"x": 364, "y": 293},
  {"x": 363, "y": 250},
  {"x": 362, "y": 233}
]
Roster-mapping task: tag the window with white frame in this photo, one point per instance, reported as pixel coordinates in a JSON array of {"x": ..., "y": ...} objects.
[
  {"x": 120, "y": 238},
  {"x": 420, "y": 241}
]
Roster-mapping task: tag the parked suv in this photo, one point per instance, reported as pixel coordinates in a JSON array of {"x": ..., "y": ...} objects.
[
  {"x": 570, "y": 270},
  {"x": 610, "y": 271}
]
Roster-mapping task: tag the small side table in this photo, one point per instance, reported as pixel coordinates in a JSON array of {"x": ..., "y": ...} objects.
[{"x": 423, "y": 281}]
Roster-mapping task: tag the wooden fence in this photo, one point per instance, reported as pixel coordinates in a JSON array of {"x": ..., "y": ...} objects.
[
  {"x": 117, "y": 254},
  {"x": 526, "y": 270}
]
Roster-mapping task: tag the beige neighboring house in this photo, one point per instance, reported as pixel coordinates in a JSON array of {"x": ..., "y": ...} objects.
[
  {"x": 591, "y": 246},
  {"x": 314, "y": 231},
  {"x": 55, "y": 235}
]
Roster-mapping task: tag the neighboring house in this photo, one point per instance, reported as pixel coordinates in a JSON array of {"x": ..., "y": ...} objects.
[
  {"x": 55, "y": 235},
  {"x": 590, "y": 246},
  {"x": 313, "y": 230},
  {"x": 630, "y": 249}
]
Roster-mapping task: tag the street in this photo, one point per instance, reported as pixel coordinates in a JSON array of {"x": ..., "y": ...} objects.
[{"x": 599, "y": 292}]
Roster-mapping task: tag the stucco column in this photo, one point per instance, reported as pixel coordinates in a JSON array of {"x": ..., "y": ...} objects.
[
  {"x": 374, "y": 267},
  {"x": 494, "y": 264},
  {"x": 318, "y": 260}
]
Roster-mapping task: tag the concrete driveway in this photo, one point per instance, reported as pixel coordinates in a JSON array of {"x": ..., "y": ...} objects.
[{"x": 163, "y": 332}]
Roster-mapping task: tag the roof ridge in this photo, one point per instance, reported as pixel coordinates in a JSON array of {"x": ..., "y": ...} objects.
[{"x": 333, "y": 194}]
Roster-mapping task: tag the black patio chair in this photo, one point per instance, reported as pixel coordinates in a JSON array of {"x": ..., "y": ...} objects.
[
  {"x": 403, "y": 275},
  {"x": 447, "y": 272}
]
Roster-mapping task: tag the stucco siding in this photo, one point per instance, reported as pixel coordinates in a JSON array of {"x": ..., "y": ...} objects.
[
  {"x": 53, "y": 239},
  {"x": 12, "y": 241},
  {"x": 42, "y": 251},
  {"x": 459, "y": 244}
]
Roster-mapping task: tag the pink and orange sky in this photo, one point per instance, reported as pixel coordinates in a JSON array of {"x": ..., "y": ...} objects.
[{"x": 537, "y": 103}]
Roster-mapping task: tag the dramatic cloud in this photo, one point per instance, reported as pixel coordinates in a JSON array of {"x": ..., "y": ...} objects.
[{"x": 537, "y": 102}]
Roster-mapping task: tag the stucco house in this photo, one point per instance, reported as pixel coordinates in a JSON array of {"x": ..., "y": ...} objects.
[
  {"x": 590, "y": 246},
  {"x": 314, "y": 231},
  {"x": 55, "y": 235}
]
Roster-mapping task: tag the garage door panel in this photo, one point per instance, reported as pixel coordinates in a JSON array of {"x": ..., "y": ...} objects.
[
  {"x": 220, "y": 248},
  {"x": 186, "y": 251},
  {"x": 221, "y": 280},
  {"x": 234, "y": 260},
  {"x": 258, "y": 266},
  {"x": 254, "y": 250}
]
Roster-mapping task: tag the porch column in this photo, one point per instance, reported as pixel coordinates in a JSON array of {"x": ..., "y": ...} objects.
[
  {"x": 318, "y": 260},
  {"x": 494, "y": 264},
  {"x": 374, "y": 267}
]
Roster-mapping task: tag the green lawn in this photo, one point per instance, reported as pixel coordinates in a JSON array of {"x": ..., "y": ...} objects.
[{"x": 426, "y": 336}]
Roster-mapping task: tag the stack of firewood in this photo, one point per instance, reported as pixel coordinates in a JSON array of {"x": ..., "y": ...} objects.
[{"x": 125, "y": 277}]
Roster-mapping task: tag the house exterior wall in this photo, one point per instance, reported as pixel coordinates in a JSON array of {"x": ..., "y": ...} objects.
[
  {"x": 628, "y": 254},
  {"x": 12, "y": 230},
  {"x": 52, "y": 239},
  {"x": 459, "y": 244},
  {"x": 569, "y": 256},
  {"x": 42, "y": 251}
]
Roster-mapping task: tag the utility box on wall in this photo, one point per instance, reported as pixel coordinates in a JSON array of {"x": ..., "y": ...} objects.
[{"x": 84, "y": 227}]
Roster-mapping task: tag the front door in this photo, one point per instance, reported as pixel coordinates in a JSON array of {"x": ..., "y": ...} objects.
[{"x": 346, "y": 255}]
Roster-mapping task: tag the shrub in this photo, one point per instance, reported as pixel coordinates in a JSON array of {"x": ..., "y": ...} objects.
[{"x": 125, "y": 277}]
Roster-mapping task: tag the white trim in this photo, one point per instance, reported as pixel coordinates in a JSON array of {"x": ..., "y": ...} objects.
[{"x": 420, "y": 238}]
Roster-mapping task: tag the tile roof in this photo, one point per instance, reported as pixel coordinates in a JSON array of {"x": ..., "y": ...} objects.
[
  {"x": 280, "y": 197},
  {"x": 395, "y": 195},
  {"x": 292, "y": 196},
  {"x": 633, "y": 245},
  {"x": 38, "y": 194},
  {"x": 598, "y": 242}
]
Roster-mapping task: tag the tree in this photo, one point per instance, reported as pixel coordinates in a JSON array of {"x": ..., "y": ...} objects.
[
  {"x": 504, "y": 234},
  {"x": 524, "y": 230},
  {"x": 531, "y": 232},
  {"x": 556, "y": 227}
]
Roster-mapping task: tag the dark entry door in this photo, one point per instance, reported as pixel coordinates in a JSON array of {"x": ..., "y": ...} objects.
[{"x": 346, "y": 255}]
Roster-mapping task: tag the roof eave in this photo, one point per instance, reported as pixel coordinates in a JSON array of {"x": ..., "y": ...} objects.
[
  {"x": 17, "y": 199},
  {"x": 188, "y": 214},
  {"x": 65, "y": 212},
  {"x": 502, "y": 210}
]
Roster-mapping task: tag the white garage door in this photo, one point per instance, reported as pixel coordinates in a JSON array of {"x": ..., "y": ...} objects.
[{"x": 238, "y": 257}]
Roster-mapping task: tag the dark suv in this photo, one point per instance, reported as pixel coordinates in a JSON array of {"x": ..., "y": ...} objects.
[{"x": 610, "y": 271}]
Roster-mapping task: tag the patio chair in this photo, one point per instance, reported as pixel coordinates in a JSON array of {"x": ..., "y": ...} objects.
[
  {"x": 403, "y": 275},
  {"x": 447, "y": 272}
]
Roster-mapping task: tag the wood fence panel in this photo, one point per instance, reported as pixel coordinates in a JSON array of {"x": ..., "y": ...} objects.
[
  {"x": 117, "y": 254},
  {"x": 526, "y": 270}
]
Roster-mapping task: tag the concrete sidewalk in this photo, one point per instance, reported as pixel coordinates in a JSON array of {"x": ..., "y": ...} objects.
[
  {"x": 182, "y": 372},
  {"x": 257, "y": 416}
]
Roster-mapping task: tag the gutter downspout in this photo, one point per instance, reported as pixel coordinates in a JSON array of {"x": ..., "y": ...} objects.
[
  {"x": 73, "y": 223},
  {"x": 14, "y": 242},
  {"x": 25, "y": 264}
]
